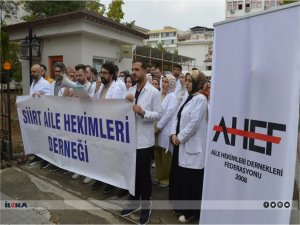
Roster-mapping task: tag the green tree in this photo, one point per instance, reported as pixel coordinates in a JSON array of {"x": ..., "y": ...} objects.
[
  {"x": 115, "y": 11},
  {"x": 130, "y": 24},
  {"x": 9, "y": 49},
  {"x": 160, "y": 47},
  {"x": 42, "y": 9},
  {"x": 285, "y": 2}
]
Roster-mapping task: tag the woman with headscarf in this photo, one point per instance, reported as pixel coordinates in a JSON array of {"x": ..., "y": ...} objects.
[
  {"x": 162, "y": 153},
  {"x": 188, "y": 135}
]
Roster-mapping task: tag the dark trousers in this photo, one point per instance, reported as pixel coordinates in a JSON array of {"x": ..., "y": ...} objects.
[{"x": 143, "y": 182}]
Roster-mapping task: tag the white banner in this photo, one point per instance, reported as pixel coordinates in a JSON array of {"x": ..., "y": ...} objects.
[
  {"x": 93, "y": 138},
  {"x": 253, "y": 123}
]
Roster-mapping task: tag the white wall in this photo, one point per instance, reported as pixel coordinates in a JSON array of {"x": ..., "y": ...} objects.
[
  {"x": 78, "y": 42},
  {"x": 69, "y": 46},
  {"x": 196, "y": 51},
  {"x": 103, "y": 48}
]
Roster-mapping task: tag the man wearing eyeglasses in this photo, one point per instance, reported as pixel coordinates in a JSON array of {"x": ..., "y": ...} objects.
[
  {"x": 59, "y": 69},
  {"x": 109, "y": 88}
]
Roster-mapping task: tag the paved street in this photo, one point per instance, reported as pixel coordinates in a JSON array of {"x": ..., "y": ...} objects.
[{"x": 53, "y": 197}]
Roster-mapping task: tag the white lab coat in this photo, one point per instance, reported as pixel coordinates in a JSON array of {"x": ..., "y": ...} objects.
[
  {"x": 192, "y": 135},
  {"x": 169, "y": 107},
  {"x": 122, "y": 86},
  {"x": 114, "y": 91},
  {"x": 150, "y": 102},
  {"x": 42, "y": 86}
]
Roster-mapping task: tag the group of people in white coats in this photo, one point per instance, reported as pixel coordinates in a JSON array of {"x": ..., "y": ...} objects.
[
  {"x": 181, "y": 140},
  {"x": 180, "y": 112}
]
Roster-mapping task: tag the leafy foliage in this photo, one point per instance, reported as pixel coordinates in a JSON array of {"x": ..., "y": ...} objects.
[
  {"x": 285, "y": 2},
  {"x": 9, "y": 49},
  {"x": 50, "y": 8},
  {"x": 115, "y": 11}
]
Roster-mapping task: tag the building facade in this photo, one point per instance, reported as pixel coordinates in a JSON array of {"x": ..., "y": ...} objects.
[
  {"x": 78, "y": 37},
  {"x": 197, "y": 43},
  {"x": 167, "y": 37},
  {"x": 239, "y": 8}
]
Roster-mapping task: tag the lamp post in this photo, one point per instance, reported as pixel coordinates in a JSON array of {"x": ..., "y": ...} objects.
[{"x": 30, "y": 48}]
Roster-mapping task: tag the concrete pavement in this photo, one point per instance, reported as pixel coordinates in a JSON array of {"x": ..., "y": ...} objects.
[{"x": 54, "y": 197}]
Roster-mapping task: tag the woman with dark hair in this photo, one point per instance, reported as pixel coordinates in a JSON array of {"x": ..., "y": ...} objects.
[
  {"x": 129, "y": 82},
  {"x": 188, "y": 135},
  {"x": 156, "y": 83}
]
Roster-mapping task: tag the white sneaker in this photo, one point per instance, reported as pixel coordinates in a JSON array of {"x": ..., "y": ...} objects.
[
  {"x": 75, "y": 176},
  {"x": 182, "y": 219},
  {"x": 87, "y": 180}
]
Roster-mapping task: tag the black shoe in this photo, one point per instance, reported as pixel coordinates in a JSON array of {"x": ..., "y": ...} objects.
[
  {"x": 130, "y": 209},
  {"x": 35, "y": 160},
  {"x": 96, "y": 185},
  {"x": 145, "y": 216},
  {"x": 108, "y": 189}
]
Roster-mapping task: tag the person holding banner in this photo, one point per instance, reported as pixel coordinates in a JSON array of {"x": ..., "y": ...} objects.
[
  {"x": 81, "y": 78},
  {"x": 38, "y": 87},
  {"x": 109, "y": 89},
  {"x": 57, "y": 89},
  {"x": 148, "y": 110},
  {"x": 188, "y": 135},
  {"x": 162, "y": 153}
]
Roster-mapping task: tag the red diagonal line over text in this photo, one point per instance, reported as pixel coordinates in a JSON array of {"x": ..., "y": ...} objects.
[{"x": 248, "y": 134}]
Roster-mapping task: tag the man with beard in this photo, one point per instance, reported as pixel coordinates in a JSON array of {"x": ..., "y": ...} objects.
[
  {"x": 81, "y": 78},
  {"x": 44, "y": 74},
  {"x": 109, "y": 88},
  {"x": 147, "y": 109},
  {"x": 59, "y": 70}
]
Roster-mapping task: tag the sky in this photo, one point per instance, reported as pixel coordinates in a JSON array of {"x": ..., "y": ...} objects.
[{"x": 181, "y": 14}]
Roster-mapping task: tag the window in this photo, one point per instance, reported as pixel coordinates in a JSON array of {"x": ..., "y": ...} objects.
[
  {"x": 267, "y": 4},
  {"x": 235, "y": 5},
  {"x": 154, "y": 35},
  {"x": 240, "y": 5},
  {"x": 99, "y": 61},
  {"x": 247, "y": 6},
  {"x": 229, "y": 6},
  {"x": 253, "y": 4},
  {"x": 258, "y": 4}
]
